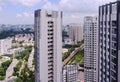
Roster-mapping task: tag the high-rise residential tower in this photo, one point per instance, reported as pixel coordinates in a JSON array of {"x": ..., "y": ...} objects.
[
  {"x": 109, "y": 42},
  {"x": 75, "y": 32},
  {"x": 48, "y": 46},
  {"x": 90, "y": 48}
]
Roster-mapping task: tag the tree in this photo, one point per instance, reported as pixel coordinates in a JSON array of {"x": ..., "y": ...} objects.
[
  {"x": 18, "y": 80},
  {"x": 0, "y": 57},
  {"x": 2, "y": 71},
  {"x": 24, "y": 73},
  {"x": 6, "y": 63},
  {"x": 2, "y": 77}
]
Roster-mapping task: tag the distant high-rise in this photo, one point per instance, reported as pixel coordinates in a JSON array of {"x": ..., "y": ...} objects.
[
  {"x": 70, "y": 73},
  {"x": 75, "y": 32},
  {"x": 48, "y": 46},
  {"x": 90, "y": 48},
  {"x": 109, "y": 42}
]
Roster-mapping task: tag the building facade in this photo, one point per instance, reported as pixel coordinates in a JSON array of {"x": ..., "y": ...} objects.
[
  {"x": 90, "y": 48},
  {"x": 68, "y": 41},
  {"x": 109, "y": 42},
  {"x": 5, "y": 45},
  {"x": 48, "y": 46},
  {"x": 75, "y": 32},
  {"x": 70, "y": 73}
]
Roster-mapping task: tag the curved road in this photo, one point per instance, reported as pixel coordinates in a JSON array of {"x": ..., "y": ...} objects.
[
  {"x": 10, "y": 70},
  {"x": 30, "y": 60},
  {"x": 72, "y": 54}
]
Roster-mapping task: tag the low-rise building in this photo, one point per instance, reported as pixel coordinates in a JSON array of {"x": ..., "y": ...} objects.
[
  {"x": 5, "y": 45},
  {"x": 70, "y": 73},
  {"x": 64, "y": 50},
  {"x": 68, "y": 41}
]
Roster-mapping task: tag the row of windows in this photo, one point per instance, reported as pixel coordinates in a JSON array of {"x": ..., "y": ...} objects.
[
  {"x": 108, "y": 10},
  {"x": 114, "y": 23}
]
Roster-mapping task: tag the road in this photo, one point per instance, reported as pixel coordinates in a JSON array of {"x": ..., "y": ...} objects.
[
  {"x": 10, "y": 70},
  {"x": 72, "y": 54},
  {"x": 30, "y": 60}
]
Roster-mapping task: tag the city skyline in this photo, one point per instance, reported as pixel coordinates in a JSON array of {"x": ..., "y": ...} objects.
[
  {"x": 22, "y": 11},
  {"x": 60, "y": 40}
]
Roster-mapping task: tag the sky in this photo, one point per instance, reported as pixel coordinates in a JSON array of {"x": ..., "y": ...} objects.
[{"x": 22, "y": 11}]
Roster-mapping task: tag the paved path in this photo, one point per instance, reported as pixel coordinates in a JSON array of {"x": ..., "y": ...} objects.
[
  {"x": 72, "y": 54},
  {"x": 81, "y": 76},
  {"x": 10, "y": 70},
  {"x": 30, "y": 60},
  {"x": 11, "y": 79}
]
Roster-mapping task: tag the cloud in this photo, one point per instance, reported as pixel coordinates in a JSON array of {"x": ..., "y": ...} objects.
[
  {"x": 18, "y": 15},
  {"x": 25, "y": 15},
  {"x": 24, "y": 18},
  {"x": 74, "y": 11},
  {"x": 82, "y": 6},
  {"x": 28, "y": 15},
  {"x": 0, "y": 8},
  {"x": 2, "y": 3},
  {"x": 75, "y": 16},
  {"x": 27, "y": 3},
  {"x": 50, "y": 6}
]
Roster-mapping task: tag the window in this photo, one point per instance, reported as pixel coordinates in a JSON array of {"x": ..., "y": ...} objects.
[{"x": 114, "y": 23}]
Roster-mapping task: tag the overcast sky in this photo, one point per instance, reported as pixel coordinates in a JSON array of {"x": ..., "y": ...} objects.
[{"x": 21, "y": 11}]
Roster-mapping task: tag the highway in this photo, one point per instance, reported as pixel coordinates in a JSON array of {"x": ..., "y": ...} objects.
[{"x": 72, "y": 54}]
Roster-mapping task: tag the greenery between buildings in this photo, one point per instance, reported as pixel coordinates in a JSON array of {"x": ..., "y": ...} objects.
[
  {"x": 18, "y": 79},
  {"x": 27, "y": 75},
  {"x": 33, "y": 62},
  {"x": 70, "y": 49},
  {"x": 78, "y": 58},
  {"x": 0, "y": 57},
  {"x": 24, "y": 74},
  {"x": 25, "y": 54},
  {"x": 14, "y": 47},
  {"x": 67, "y": 53},
  {"x": 17, "y": 68},
  {"x": 2, "y": 77},
  {"x": 3, "y": 68}
]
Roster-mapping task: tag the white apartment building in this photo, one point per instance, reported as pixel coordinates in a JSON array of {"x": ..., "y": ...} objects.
[
  {"x": 75, "y": 32},
  {"x": 48, "y": 46},
  {"x": 70, "y": 73},
  {"x": 5, "y": 45},
  {"x": 90, "y": 48}
]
